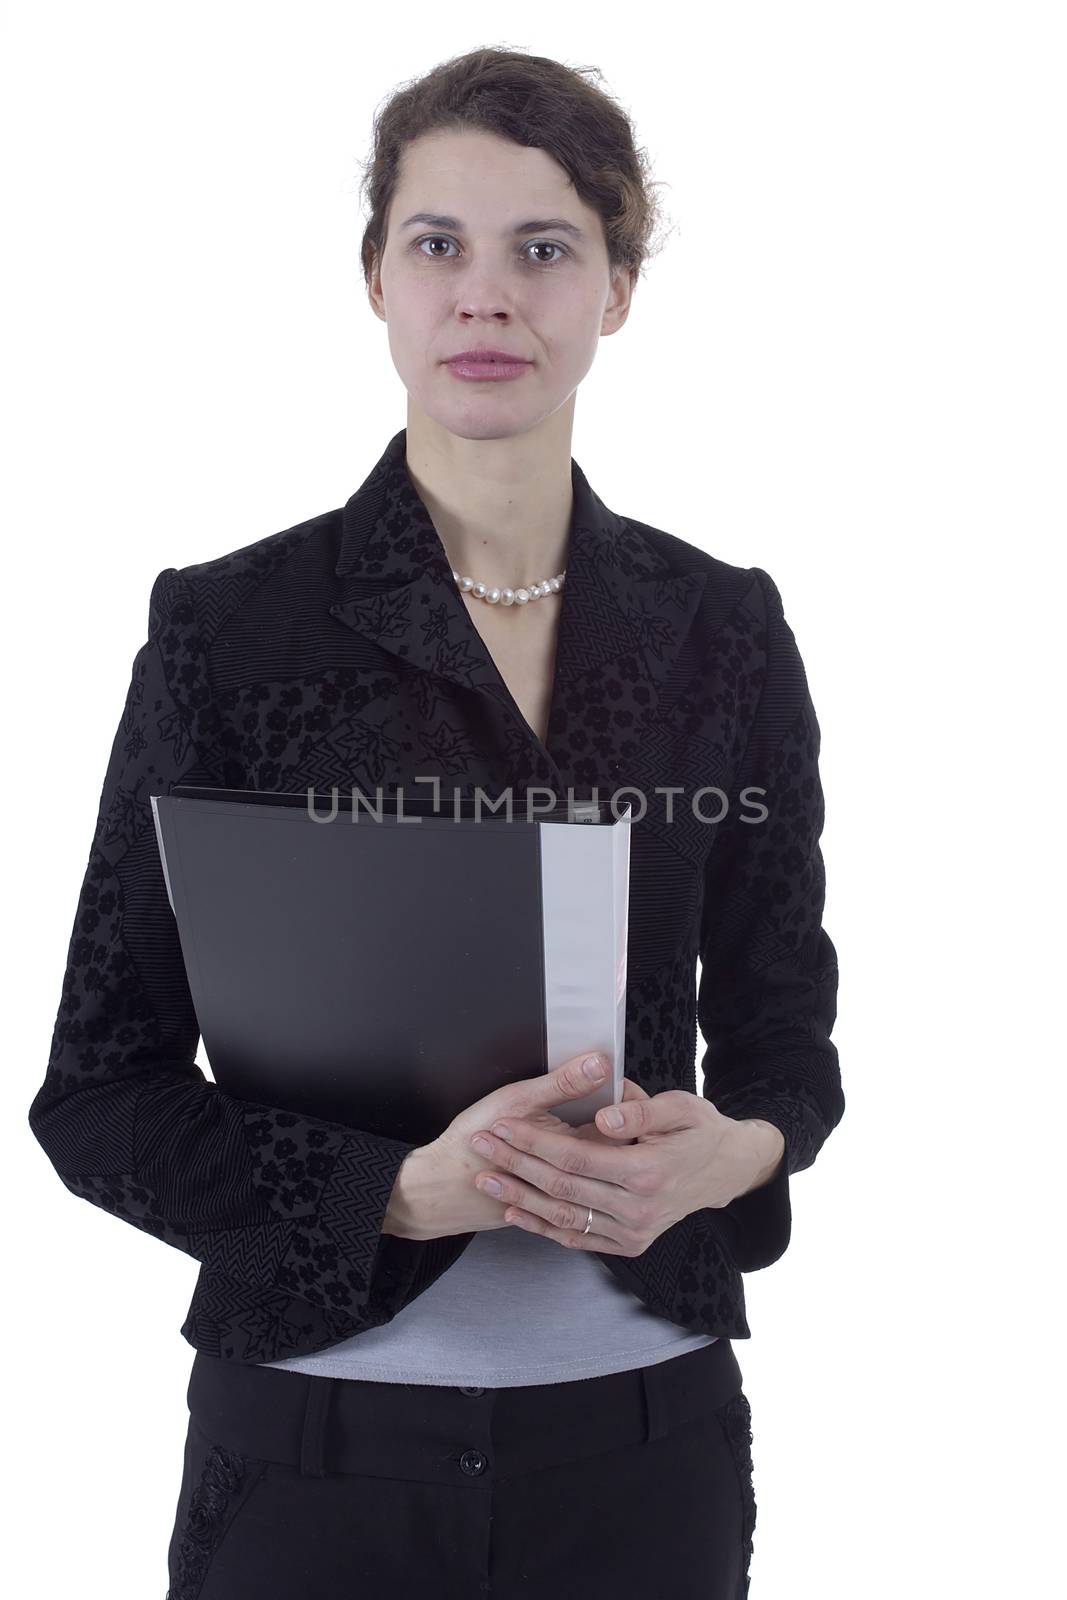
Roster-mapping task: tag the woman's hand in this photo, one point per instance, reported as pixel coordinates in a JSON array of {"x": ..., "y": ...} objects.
[
  {"x": 435, "y": 1193},
  {"x": 675, "y": 1154}
]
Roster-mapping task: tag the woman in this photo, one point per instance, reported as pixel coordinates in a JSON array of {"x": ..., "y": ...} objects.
[{"x": 402, "y": 1383}]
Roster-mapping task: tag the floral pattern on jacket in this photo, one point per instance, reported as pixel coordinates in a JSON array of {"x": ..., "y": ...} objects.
[{"x": 340, "y": 651}]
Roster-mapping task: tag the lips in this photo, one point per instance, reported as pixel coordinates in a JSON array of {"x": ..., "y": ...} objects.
[
  {"x": 503, "y": 356},
  {"x": 487, "y": 366}
]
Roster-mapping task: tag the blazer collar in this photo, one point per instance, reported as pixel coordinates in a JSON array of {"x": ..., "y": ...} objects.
[{"x": 620, "y": 596}]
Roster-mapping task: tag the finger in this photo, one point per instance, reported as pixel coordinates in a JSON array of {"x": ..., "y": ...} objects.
[
  {"x": 570, "y": 1081},
  {"x": 521, "y": 1179},
  {"x": 557, "y": 1164},
  {"x": 659, "y": 1113},
  {"x": 589, "y": 1130},
  {"x": 575, "y": 1240}
]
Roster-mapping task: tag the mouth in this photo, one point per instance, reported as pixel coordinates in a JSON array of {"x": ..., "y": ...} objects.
[
  {"x": 491, "y": 365},
  {"x": 488, "y": 358}
]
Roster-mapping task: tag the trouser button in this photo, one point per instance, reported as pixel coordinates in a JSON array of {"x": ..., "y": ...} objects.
[
  {"x": 471, "y": 1391},
  {"x": 472, "y": 1462}
]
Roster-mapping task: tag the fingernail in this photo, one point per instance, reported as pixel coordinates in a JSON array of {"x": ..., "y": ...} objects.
[
  {"x": 593, "y": 1068},
  {"x": 483, "y": 1145},
  {"x": 613, "y": 1119}
]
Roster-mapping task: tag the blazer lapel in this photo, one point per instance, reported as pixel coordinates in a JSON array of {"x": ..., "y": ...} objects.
[{"x": 619, "y": 599}]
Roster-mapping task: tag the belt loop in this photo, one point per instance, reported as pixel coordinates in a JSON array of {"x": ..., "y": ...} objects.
[
  {"x": 313, "y": 1440},
  {"x": 656, "y": 1419}
]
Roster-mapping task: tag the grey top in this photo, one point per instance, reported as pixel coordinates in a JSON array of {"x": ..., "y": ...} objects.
[{"x": 516, "y": 1308}]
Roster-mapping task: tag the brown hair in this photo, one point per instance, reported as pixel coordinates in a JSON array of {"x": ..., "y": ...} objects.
[{"x": 536, "y": 102}]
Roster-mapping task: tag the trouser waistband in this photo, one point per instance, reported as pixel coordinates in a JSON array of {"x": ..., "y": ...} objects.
[{"x": 322, "y": 1424}]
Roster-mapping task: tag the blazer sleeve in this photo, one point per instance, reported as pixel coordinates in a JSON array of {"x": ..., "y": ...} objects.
[
  {"x": 767, "y": 997},
  {"x": 283, "y": 1203}
]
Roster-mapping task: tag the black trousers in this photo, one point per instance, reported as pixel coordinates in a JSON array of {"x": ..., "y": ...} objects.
[{"x": 628, "y": 1486}]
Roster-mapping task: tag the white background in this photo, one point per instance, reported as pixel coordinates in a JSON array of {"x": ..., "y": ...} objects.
[{"x": 847, "y": 367}]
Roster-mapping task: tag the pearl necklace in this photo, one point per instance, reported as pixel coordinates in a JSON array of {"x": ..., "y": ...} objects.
[{"x": 510, "y": 597}]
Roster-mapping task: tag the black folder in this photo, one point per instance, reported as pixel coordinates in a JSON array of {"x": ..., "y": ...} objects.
[{"x": 383, "y": 962}]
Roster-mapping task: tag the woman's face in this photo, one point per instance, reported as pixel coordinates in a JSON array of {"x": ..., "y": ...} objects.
[{"x": 544, "y": 293}]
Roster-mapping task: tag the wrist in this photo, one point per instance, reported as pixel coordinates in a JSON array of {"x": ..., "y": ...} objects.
[
  {"x": 768, "y": 1145},
  {"x": 403, "y": 1211}
]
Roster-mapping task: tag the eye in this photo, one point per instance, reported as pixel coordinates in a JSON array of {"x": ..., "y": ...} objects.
[
  {"x": 547, "y": 244},
  {"x": 541, "y": 244}
]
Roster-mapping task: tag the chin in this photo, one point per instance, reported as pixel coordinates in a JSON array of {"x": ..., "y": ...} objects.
[{"x": 480, "y": 421}]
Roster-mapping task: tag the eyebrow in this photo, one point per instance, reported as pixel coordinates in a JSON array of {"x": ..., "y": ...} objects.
[{"x": 536, "y": 226}]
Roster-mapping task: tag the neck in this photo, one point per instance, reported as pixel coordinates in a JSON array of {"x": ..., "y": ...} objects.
[{"x": 501, "y": 507}]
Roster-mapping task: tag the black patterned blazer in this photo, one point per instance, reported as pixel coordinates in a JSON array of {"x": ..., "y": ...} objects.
[{"x": 340, "y": 651}]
